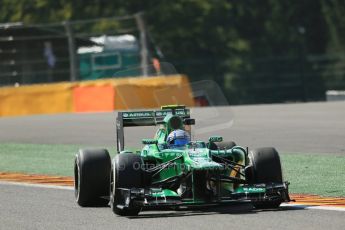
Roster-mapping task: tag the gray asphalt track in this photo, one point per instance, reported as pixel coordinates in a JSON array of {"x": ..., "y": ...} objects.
[
  {"x": 299, "y": 128},
  {"x": 41, "y": 208}
]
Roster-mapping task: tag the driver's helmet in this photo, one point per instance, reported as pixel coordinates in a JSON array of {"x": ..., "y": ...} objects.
[{"x": 178, "y": 138}]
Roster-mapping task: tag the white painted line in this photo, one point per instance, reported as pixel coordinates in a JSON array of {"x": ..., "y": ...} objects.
[
  {"x": 327, "y": 208},
  {"x": 36, "y": 185}
]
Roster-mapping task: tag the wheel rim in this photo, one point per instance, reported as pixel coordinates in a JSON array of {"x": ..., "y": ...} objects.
[
  {"x": 112, "y": 187},
  {"x": 76, "y": 179}
]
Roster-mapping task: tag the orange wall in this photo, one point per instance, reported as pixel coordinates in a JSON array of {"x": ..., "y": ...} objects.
[
  {"x": 95, "y": 96},
  {"x": 153, "y": 92},
  {"x": 36, "y": 99}
]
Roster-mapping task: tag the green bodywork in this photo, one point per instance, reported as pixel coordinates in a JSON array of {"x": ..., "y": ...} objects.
[
  {"x": 192, "y": 159},
  {"x": 189, "y": 160}
]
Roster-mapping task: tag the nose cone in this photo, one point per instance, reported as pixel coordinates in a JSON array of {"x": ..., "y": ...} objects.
[
  {"x": 201, "y": 164},
  {"x": 200, "y": 160}
]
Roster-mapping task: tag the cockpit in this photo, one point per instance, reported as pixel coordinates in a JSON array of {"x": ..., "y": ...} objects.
[{"x": 190, "y": 145}]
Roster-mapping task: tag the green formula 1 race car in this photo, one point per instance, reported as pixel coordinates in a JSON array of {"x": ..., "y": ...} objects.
[{"x": 174, "y": 171}]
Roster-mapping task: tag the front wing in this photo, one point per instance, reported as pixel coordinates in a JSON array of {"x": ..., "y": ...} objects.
[{"x": 148, "y": 198}]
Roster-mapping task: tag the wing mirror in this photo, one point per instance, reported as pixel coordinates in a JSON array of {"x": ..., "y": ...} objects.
[{"x": 189, "y": 121}]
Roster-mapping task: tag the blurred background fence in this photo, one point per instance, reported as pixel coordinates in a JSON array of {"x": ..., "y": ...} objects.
[{"x": 68, "y": 51}]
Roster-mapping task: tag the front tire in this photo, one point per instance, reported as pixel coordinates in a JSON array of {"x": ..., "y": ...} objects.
[
  {"x": 126, "y": 172},
  {"x": 91, "y": 177},
  {"x": 266, "y": 168}
]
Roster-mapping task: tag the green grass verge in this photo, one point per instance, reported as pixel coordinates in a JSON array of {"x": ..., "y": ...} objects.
[
  {"x": 39, "y": 159},
  {"x": 315, "y": 174},
  {"x": 312, "y": 174}
]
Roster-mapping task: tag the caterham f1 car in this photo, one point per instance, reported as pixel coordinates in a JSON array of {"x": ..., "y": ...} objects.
[{"x": 173, "y": 171}]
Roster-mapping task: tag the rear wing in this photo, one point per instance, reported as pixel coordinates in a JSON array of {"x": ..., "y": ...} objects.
[{"x": 144, "y": 118}]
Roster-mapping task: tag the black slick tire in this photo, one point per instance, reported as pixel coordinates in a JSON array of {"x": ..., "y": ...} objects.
[
  {"x": 266, "y": 168},
  {"x": 126, "y": 172},
  {"x": 224, "y": 145},
  {"x": 92, "y": 177}
]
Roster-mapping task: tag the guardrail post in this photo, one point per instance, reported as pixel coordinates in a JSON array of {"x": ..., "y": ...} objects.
[
  {"x": 143, "y": 44},
  {"x": 71, "y": 50}
]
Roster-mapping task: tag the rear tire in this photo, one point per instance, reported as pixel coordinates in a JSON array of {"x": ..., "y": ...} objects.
[
  {"x": 91, "y": 177},
  {"x": 224, "y": 145},
  {"x": 221, "y": 145},
  {"x": 126, "y": 172},
  {"x": 266, "y": 168}
]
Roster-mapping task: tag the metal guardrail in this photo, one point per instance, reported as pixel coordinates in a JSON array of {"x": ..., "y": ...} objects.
[
  {"x": 44, "y": 53},
  {"x": 335, "y": 95}
]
